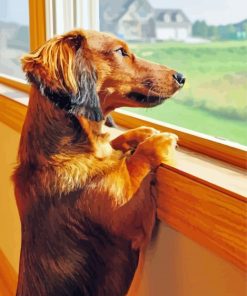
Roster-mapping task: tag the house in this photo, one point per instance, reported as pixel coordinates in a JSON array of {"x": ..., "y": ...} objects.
[
  {"x": 128, "y": 19},
  {"x": 137, "y": 23},
  {"x": 137, "y": 20},
  {"x": 172, "y": 24},
  {"x": 110, "y": 12}
]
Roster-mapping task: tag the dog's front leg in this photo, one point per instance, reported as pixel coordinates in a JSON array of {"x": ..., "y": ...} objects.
[
  {"x": 157, "y": 149},
  {"x": 130, "y": 139},
  {"x": 140, "y": 207}
]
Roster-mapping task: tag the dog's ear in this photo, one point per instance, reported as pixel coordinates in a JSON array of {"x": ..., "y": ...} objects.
[{"x": 61, "y": 70}]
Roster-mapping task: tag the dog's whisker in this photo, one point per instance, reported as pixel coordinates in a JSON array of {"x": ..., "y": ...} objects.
[{"x": 149, "y": 91}]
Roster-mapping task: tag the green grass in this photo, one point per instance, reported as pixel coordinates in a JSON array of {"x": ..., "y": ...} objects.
[
  {"x": 214, "y": 99},
  {"x": 197, "y": 120}
]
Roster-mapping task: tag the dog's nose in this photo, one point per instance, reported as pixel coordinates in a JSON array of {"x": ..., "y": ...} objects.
[{"x": 179, "y": 78}]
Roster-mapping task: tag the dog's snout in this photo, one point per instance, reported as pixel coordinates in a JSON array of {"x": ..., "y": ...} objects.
[{"x": 180, "y": 78}]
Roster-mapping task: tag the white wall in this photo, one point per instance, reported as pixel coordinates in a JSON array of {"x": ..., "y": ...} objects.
[
  {"x": 172, "y": 34},
  {"x": 177, "y": 266},
  {"x": 165, "y": 33}
]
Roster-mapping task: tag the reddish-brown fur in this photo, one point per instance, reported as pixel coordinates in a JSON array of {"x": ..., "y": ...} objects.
[{"x": 68, "y": 169}]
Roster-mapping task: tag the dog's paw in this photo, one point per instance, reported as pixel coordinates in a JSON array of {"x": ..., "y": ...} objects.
[
  {"x": 159, "y": 148},
  {"x": 140, "y": 134}
]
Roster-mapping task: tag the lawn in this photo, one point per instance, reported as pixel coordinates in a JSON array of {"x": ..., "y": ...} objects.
[{"x": 214, "y": 99}]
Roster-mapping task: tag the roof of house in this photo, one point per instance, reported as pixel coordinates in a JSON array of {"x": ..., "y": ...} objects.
[{"x": 159, "y": 14}]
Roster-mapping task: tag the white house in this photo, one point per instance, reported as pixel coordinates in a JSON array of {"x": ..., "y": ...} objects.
[{"x": 172, "y": 24}]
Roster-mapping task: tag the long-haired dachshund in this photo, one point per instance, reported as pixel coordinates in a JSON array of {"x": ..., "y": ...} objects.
[{"x": 84, "y": 202}]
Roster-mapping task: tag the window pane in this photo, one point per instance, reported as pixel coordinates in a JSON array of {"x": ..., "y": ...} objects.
[
  {"x": 14, "y": 35},
  {"x": 206, "y": 41}
]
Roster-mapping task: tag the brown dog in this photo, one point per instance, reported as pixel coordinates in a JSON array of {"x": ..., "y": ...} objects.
[{"x": 84, "y": 202}]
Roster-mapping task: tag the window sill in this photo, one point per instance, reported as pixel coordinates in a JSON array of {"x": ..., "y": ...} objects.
[{"x": 201, "y": 197}]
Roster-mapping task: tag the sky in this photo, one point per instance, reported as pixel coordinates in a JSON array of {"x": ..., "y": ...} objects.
[
  {"x": 14, "y": 11},
  {"x": 215, "y": 12}
]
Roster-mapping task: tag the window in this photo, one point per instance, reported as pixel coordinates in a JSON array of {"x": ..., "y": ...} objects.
[
  {"x": 167, "y": 18},
  {"x": 179, "y": 18},
  {"x": 208, "y": 49},
  {"x": 14, "y": 35}
]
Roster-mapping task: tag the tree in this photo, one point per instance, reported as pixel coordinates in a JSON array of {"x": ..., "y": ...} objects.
[
  {"x": 231, "y": 32},
  {"x": 213, "y": 32},
  {"x": 200, "y": 29}
]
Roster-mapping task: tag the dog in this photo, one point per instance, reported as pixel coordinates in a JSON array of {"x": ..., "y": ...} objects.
[{"x": 84, "y": 201}]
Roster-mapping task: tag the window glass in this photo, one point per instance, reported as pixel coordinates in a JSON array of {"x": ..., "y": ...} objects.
[
  {"x": 14, "y": 35},
  {"x": 206, "y": 41}
]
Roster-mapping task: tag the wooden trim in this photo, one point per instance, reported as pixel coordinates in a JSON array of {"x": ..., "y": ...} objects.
[
  {"x": 229, "y": 152},
  {"x": 211, "y": 215},
  {"x": 15, "y": 83},
  {"x": 12, "y": 113},
  {"x": 207, "y": 215},
  {"x": 8, "y": 277},
  {"x": 37, "y": 19}
]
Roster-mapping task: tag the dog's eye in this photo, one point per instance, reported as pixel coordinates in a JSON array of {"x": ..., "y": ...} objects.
[{"x": 122, "y": 52}]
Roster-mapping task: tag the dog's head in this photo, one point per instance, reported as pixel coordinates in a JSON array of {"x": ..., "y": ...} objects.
[{"x": 90, "y": 73}]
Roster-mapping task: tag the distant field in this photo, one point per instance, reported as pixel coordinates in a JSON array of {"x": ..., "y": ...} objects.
[
  {"x": 214, "y": 99},
  {"x": 197, "y": 120}
]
